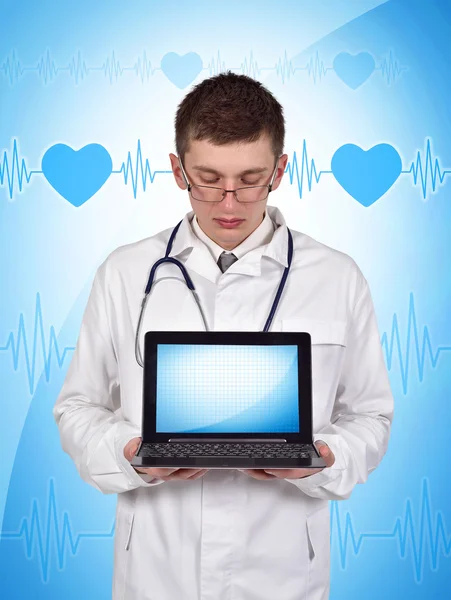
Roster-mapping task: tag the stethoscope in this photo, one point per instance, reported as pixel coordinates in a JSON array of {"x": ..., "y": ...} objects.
[{"x": 190, "y": 284}]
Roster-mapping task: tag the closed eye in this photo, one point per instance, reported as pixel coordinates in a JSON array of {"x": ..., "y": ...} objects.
[{"x": 212, "y": 182}]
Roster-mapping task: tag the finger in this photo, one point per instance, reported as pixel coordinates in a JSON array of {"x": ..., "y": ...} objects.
[
  {"x": 161, "y": 472},
  {"x": 167, "y": 474},
  {"x": 325, "y": 452},
  {"x": 280, "y": 473},
  {"x": 155, "y": 472},
  {"x": 131, "y": 450},
  {"x": 198, "y": 475},
  {"x": 293, "y": 473},
  {"x": 186, "y": 473},
  {"x": 257, "y": 474}
]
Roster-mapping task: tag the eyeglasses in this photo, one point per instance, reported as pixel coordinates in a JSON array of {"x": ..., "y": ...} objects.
[{"x": 244, "y": 195}]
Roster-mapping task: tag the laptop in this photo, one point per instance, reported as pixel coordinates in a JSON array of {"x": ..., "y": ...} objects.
[{"x": 227, "y": 399}]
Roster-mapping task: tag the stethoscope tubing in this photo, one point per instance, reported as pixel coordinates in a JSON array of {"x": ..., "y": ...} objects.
[{"x": 189, "y": 282}]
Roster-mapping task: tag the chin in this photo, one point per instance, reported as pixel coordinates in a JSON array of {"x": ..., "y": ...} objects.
[{"x": 232, "y": 240}]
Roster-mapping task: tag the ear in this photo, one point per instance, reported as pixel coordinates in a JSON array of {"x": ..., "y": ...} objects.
[
  {"x": 177, "y": 171},
  {"x": 283, "y": 160}
]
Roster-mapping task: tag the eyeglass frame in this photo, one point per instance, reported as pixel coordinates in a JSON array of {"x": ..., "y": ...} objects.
[{"x": 268, "y": 185}]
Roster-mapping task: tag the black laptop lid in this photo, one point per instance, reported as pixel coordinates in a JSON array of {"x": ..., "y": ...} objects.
[{"x": 227, "y": 385}]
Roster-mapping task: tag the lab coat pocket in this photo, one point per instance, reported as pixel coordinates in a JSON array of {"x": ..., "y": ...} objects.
[
  {"x": 129, "y": 528},
  {"x": 318, "y": 535},
  {"x": 322, "y": 332},
  {"x": 125, "y": 519}
]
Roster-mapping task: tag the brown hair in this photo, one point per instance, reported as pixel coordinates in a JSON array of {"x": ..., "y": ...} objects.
[{"x": 229, "y": 108}]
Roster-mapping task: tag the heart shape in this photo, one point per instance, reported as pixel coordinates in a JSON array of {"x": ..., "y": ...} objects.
[
  {"x": 354, "y": 70},
  {"x": 366, "y": 175},
  {"x": 181, "y": 70},
  {"x": 77, "y": 175}
]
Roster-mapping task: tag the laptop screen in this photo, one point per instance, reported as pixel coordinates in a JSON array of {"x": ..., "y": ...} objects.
[{"x": 214, "y": 388}]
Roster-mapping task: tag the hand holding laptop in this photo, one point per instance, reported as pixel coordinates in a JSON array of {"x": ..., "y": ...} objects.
[
  {"x": 325, "y": 453},
  {"x": 166, "y": 474},
  {"x": 169, "y": 473}
]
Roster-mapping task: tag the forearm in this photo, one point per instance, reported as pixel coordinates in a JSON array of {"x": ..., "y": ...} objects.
[
  {"x": 94, "y": 437},
  {"x": 359, "y": 445}
]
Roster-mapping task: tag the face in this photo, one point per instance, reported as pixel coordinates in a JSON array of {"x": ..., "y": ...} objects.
[{"x": 229, "y": 222}]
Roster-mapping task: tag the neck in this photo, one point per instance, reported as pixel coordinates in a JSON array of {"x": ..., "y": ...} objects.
[{"x": 229, "y": 247}]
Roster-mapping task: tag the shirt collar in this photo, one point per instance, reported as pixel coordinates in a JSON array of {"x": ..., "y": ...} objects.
[
  {"x": 259, "y": 237},
  {"x": 276, "y": 248}
]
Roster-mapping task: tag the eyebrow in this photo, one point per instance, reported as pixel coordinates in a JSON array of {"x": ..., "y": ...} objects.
[{"x": 206, "y": 169}]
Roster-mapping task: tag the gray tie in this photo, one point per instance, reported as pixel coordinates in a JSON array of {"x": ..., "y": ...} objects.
[{"x": 226, "y": 260}]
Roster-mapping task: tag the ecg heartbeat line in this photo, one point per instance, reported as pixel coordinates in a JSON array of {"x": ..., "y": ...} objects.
[
  {"x": 417, "y": 346},
  {"x": 140, "y": 170},
  {"x": 47, "y": 69},
  {"x": 37, "y": 535},
  {"x": 422, "y": 346},
  {"x": 15, "y": 170},
  {"x": 283, "y": 67},
  {"x": 412, "y": 534},
  {"x": 432, "y": 532},
  {"x": 429, "y": 173},
  {"x": 111, "y": 68},
  {"x": 302, "y": 170},
  {"x": 315, "y": 67},
  {"x": 49, "y": 349},
  {"x": 390, "y": 68}
]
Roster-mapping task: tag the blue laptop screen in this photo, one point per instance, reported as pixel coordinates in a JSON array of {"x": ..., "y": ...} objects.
[{"x": 209, "y": 388}]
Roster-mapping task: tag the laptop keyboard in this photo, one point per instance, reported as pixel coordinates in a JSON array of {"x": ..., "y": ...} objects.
[{"x": 203, "y": 449}]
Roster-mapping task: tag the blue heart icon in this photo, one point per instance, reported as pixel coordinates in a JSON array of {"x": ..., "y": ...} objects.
[
  {"x": 181, "y": 70},
  {"x": 77, "y": 175},
  {"x": 354, "y": 70},
  {"x": 366, "y": 176}
]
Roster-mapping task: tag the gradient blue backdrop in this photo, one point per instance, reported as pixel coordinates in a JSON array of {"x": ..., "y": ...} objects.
[{"x": 365, "y": 86}]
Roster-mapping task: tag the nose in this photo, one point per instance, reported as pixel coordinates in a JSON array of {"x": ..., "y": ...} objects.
[{"x": 229, "y": 201}]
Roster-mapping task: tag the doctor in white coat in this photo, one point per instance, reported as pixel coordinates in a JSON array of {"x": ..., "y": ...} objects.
[{"x": 226, "y": 534}]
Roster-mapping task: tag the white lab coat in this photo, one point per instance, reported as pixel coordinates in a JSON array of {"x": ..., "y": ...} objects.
[{"x": 226, "y": 536}]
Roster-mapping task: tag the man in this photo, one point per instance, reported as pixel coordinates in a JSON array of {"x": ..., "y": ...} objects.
[{"x": 222, "y": 534}]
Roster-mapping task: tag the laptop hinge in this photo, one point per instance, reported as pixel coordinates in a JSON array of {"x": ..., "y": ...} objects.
[{"x": 211, "y": 440}]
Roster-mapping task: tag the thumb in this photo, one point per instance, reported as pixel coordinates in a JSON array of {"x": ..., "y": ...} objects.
[
  {"x": 323, "y": 448},
  {"x": 132, "y": 447},
  {"x": 325, "y": 452}
]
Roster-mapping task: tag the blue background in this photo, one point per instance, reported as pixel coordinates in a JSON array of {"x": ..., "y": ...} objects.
[{"x": 365, "y": 86}]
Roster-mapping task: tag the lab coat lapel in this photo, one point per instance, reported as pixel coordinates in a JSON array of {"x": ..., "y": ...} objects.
[
  {"x": 199, "y": 259},
  {"x": 251, "y": 262}
]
